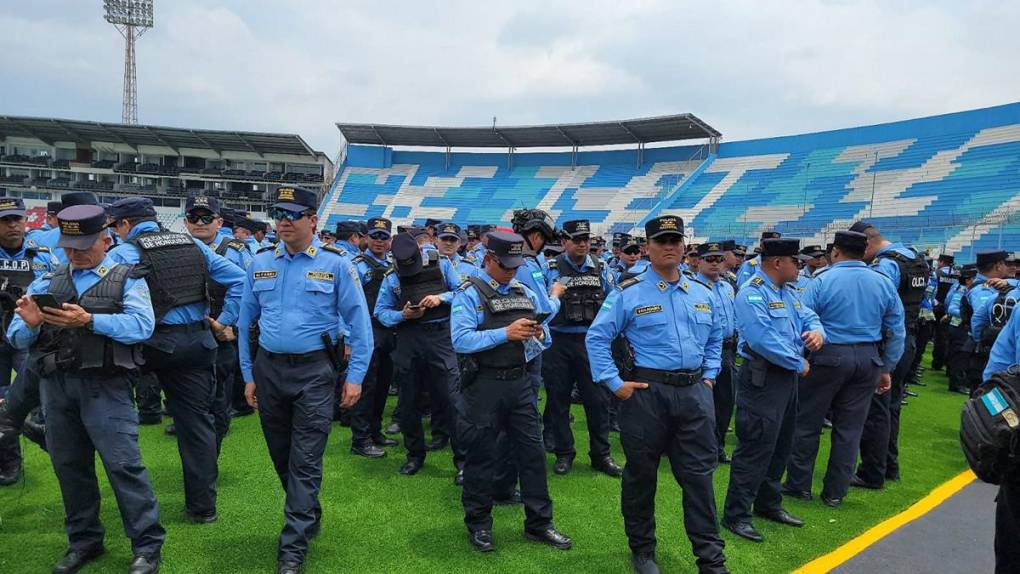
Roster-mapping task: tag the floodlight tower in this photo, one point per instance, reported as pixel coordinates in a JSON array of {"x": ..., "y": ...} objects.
[{"x": 132, "y": 18}]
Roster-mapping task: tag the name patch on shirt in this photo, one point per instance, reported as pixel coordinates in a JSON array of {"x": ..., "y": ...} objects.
[
  {"x": 777, "y": 305},
  {"x": 320, "y": 275},
  {"x": 648, "y": 309},
  {"x": 265, "y": 274},
  {"x": 703, "y": 307}
]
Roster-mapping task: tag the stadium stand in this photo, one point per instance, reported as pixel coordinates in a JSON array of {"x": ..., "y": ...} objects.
[{"x": 944, "y": 183}]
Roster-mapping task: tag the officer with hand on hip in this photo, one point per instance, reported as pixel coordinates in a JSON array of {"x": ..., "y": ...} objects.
[
  {"x": 774, "y": 328},
  {"x": 86, "y": 354},
  {"x": 300, "y": 294},
  {"x": 863, "y": 321},
  {"x": 493, "y": 323},
  {"x": 674, "y": 334}
]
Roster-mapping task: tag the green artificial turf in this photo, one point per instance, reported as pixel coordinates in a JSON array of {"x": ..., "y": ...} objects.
[{"x": 377, "y": 521}]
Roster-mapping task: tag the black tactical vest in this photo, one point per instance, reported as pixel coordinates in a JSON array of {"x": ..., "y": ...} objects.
[
  {"x": 1002, "y": 309},
  {"x": 428, "y": 281},
  {"x": 80, "y": 349},
  {"x": 914, "y": 275},
  {"x": 945, "y": 283},
  {"x": 376, "y": 273},
  {"x": 217, "y": 292},
  {"x": 16, "y": 274},
  {"x": 499, "y": 311},
  {"x": 584, "y": 295},
  {"x": 966, "y": 310},
  {"x": 174, "y": 268}
]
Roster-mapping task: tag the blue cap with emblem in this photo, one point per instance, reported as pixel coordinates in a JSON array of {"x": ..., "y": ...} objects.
[
  {"x": 12, "y": 207},
  {"x": 349, "y": 226},
  {"x": 210, "y": 204},
  {"x": 664, "y": 225},
  {"x": 379, "y": 228},
  {"x": 472, "y": 231},
  {"x": 507, "y": 247},
  {"x": 80, "y": 225},
  {"x": 853, "y": 240},
  {"x": 406, "y": 255},
  {"x": 132, "y": 207},
  {"x": 861, "y": 226},
  {"x": 247, "y": 223},
  {"x": 709, "y": 249},
  {"x": 985, "y": 258},
  {"x": 770, "y": 235},
  {"x": 786, "y": 247},
  {"x": 78, "y": 198},
  {"x": 429, "y": 222},
  {"x": 812, "y": 251},
  {"x": 630, "y": 245},
  {"x": 295, "y": 199},
  {"x": 54, "y": 207},
  {"x": 577, "y": 228},
  {"x": 448, "y": 230}
]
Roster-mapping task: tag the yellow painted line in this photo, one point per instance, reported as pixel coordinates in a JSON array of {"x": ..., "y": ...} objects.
[{"x": 830, "y": 561}]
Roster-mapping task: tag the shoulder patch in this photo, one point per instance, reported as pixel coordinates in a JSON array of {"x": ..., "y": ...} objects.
[
  {"x": 463, "y": 286},
  {"x": 41, "y": 248},
  {"x": 390, "y": 271},
  {"x": 648, "y": 309},
  {"x": 752, "y": 261},
  {"x": 266, "y": 248},
  {"x": 358, "y": 259},
  {"x": 334, "y": 249},
  {"x": 629, "y": 282}
]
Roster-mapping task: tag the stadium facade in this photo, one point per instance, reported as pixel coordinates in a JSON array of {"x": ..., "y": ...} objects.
[{"x": 948, "y": 183}]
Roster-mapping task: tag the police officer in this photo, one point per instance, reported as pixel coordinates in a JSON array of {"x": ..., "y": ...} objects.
[
  {"x": 22, "y": 261},
  {"x": 674, "y": 334},
  {"x": 202, "y": 219},
  {"x": 52, "y": 208},
  {"x": 85, "y": 353},
  {"x": 909, "y": 274},
  {"x": 994, "y": 276},
  {"x": 817, "y": 263},
  {"x": 958, "y": 349},
  {"x": 774, "y": 328},
  {"x": 182, "y": 351},
  {"x": 448, "y": 242},
  {"x": 944, "y": 281},
  {"x": 348, "y": 237},
  {"x": 630, "y": 262},
  {"x": 747, "y": 268},
  {"x": 709, "y": 272},
  {"x": 478, "y": 252},
  {"x": 587, "y": 281},
  {"x": 864, "y": 329},
  {"x": 990, "y": 320},
  {"x": 415, "y": 300},
  {"x": 367, "y": 439},
  {"x": 244, "y": 231},
  {"x": 300, "y": 293},
  {"x": 493, "y": 323}
]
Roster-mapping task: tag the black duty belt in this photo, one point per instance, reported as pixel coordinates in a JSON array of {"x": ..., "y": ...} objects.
[
  {"x": 510, "y": 374},
  {"x": 681, "y": 378},
  {"x": 295, "y": 358},
  {"x": 183, "y": 327},
  {"x": 730, "y": 343},
  {"x": 441, "y": 325}
]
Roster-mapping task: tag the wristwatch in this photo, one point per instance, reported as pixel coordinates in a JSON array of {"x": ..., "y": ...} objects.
[{"x": 91, "y": 325}]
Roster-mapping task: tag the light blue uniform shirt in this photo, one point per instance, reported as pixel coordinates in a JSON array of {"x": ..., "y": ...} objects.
[
  {"x": 241, "y": 258},
  {"x": 983, "y": 317},
  {"x": 351, "y": 249},
  {"x": 462, "y": 268},
  {"x": 608, "y": 281},
  {"x": 954, "y": 297},
  {"x": 747, "y": 270},
  {"x": 852, "y": 300},
  {"x": 770, "y": 320},
  {"x": 364, "y": 269},
  {"x": 533, "y": 275},
  {"x": 466, "y": 316},
  {"x": 134, "y": 325},
  {"x": 43, "y": 262},
  {"x": 724, "y": 296},
  {"x": 220, "y": 270},
  {"x": 1005, "y": 352},
  {"x": 639, "y": 266},
  {"x": 31, "y": 233},
  {"x": 670, "y": 326},
  {"x": 49, "y": 238},
  {"x": 386, "y": 310},
  {"x": 981, "y": 296},
  {"x": 478, "y": 253},
  {"x": 296, "y": 298}
]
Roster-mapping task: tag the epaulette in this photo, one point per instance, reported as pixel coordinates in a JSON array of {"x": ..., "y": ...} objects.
[
  {"x": 40, "y": 248},
  {"x": 334, "y": 249},
  {"x": 700, "y": 282},
  {"x": 389, "y": 271},
  {"x": 358, "y": 258},
  {"x": 266, "y": 248},
  {"x": 463, "y": 286},
  {"x": 628, "y": 282},
  {"x": 817, "y": 273},
  {"x": 757, "y": 281},
  {"x": 469, "y": 259},
  {"x": 237, "y": 245}
]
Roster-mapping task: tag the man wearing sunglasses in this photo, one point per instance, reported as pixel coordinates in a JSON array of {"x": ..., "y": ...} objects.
[
  {"x": 711, "y": 262},
  {"x": 448, "y": 242},
  {"x": 630, "y": 262},
  {"x": 182, "y": 351},
  {"x": 367, "y": 439},
  {"x": 301, "y": 294},
  {"x": 201, "y": 217},
  {"x": 674, "y": 334},
  {"x": 774, "y": 328},
  {"x": 415, "y": 301},
  {"x": 587, "y": 281},
  {"x": 22, "y": 261}
]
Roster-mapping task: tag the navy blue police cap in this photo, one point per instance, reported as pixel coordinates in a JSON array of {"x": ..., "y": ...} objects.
[
  {"x": 782, "y": 247},
  {"x": 990, "y": 257},
  {"x": 349, "y": 226},
  {"x": 406, "y": 254},
  {"x": 12, "y": 207},
  {"x": 861, "y": 226},
  {"x": 448, "y": 230},
  {"x": 132, "y": 207},
  {"x": 853, "y": 240},
  {"x": 54, "y": 207},
  {"x": 210, "y": 204},
  {"x": 508, "y": 248},
  {"x": 577, "y": 228},
  {"x": 379, "y": 228},
  {"x": 711, "y": 248},
  {"x": 664, "y": 225},
  {"x": 78, "y": 198},
  {"x": 295, "y": 198},
  {"x": 80, "y": 226}
]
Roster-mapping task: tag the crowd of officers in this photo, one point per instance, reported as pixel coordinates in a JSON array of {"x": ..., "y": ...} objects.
[{"x": 106, "y": 314}]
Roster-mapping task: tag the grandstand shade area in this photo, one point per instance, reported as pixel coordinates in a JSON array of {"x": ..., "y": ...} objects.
[
  {"x": 948, "y": 183},
  {"x": 40, "y": 158}
]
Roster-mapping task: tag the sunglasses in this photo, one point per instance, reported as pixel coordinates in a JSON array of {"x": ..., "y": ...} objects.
[
  {"x": 669, "y": 240},
  {"x": 206, "y": 219},
  {"x": 280, "y": 214},
  {"x": 713, "y": 259}
]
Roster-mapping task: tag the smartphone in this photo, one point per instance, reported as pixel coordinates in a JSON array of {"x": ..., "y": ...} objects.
[
  {"x": 44, "y": 300},
  {"x": 414, "y": 307},
  {"x": 541, "y": 317}
]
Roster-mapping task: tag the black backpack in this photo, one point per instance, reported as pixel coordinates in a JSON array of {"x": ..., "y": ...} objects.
[
  {"x": 988, "y": 426},
  {"x": 1002, "y": 308}
]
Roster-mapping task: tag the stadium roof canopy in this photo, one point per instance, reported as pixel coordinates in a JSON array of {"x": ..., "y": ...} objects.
[
  {"x": 636, "y": 131},
  {"x": 50, "y": 130}
]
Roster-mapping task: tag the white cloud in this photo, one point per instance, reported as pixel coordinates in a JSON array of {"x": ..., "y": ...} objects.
[{"x": 750, "y": 68}]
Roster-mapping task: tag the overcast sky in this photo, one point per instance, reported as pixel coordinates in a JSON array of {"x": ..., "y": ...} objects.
[{"x": 749, "y": 68}]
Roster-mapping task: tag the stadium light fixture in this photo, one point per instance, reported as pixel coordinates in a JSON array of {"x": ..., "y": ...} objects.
[{"x": 132, "y": 18}]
